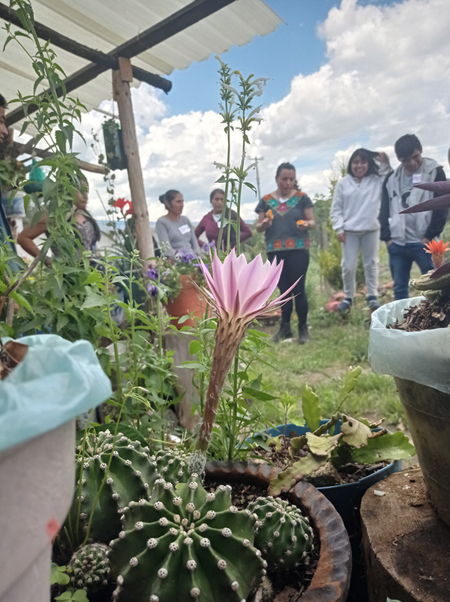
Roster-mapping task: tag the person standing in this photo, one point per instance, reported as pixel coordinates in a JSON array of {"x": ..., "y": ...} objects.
[
  {"x": 354, "y": 217},
  {"x": 405, "y": 235},
  {"x": 286, "y": 216},
  {"x": 210, "y": 223},
  {"x": 5, "y": 230},
  {"x": 174, "y": 231}
]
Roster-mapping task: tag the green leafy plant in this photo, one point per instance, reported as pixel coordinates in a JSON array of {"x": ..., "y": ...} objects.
[
  {"x": 237, "y": 111},
  {"x": 326, "y": 452}
]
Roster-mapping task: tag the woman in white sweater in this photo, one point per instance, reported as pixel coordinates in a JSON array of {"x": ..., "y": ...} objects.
[{"x": 354, "y": 216}]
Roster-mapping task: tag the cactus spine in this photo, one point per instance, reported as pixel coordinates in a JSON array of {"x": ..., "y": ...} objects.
[
  {"x": 186, "y": 544},
  {"x": 90, "y": 567},
  {"x": 283, "y": 534}
]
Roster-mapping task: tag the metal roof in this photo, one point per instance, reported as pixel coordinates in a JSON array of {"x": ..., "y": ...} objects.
[{"x": 106, "y": 24}]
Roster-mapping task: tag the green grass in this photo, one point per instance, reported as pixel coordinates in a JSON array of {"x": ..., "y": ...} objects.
[{"x": 336, "y": 344}]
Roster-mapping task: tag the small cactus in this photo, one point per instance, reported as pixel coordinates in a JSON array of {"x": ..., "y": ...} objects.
[
  {"x": 132, "y": 473},
  {"x": 90, "y": 567},
  {"x": 283, "y": 534},
  {"x": 186, "y": 544}
]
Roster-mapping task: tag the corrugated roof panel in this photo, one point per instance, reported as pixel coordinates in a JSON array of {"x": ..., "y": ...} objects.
[{"x": 105, "y": 24}]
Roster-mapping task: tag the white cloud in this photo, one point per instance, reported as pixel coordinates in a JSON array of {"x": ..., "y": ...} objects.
[{"x": 387, "y": 73}]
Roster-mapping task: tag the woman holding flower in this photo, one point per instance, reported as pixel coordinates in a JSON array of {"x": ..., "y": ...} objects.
[
  {"x": 286, "y": 216},
  {"x": 174, "y": 231}
]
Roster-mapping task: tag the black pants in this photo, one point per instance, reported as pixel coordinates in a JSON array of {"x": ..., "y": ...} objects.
[{"x": 295, "y": 265}]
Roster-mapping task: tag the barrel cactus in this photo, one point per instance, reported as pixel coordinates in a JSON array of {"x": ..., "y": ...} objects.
[
  {"x": 283, "y": 534},
  {"x": 89, "y": 567},
  {"x": 131, "y": 475},
  {"x": 186, "y": 544}
]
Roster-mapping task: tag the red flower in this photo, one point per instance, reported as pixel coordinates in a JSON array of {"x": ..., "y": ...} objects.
[
  {"x": 122, "y": 203},
  {"x": 437, "y": 250}
]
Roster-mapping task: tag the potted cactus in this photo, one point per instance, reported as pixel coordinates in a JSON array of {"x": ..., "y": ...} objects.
[
  {"x": 42, "y": 389},
  {"x": 179, "y": 542},
  {"x": 409, "y": 339}
]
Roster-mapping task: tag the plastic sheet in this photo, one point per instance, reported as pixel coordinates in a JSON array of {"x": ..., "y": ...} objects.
[
  {"x": 56, "y": 381},
  {"x": 423, "y": 357}
]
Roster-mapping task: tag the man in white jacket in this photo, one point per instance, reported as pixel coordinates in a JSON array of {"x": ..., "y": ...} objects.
[
  {"x": 354, "y": 216},
  {"x": 405, "y": 235}
]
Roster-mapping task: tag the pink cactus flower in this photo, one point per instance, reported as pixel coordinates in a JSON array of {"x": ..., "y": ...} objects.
[{"x": 238, "y": 292}]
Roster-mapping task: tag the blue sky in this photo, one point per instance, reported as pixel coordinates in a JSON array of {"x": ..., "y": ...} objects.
[
  {"x": 386, "y": 73},
  {"x": 293, "y": 48}
]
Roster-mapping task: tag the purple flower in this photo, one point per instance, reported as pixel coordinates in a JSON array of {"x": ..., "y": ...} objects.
[
  {"x": 153, "y": 274},
  {"x": 187, "y": 257},
  {"x": 209, "y": 245},
  {"x": 152, "y": 290}
]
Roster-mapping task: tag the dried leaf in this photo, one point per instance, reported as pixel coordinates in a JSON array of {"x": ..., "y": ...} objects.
[{"x": 355, "y": 433}]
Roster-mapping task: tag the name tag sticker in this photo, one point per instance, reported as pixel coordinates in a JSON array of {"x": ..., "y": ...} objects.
[
  {"x": 184, "y": 229},
  {"x": 417, "y": 178}
]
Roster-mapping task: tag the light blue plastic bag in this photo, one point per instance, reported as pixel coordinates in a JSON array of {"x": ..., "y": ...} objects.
[
  {"x": 56, "y": 381},
  {"x": 423, "y": 357}
]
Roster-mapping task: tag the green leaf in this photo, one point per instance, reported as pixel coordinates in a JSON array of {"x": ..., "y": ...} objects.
[
  {"x": 21, "y": 301},
  {"x": 323, "y": 445},
  {"x": 93, "y": 300},
  {"x": 64, "y": 596},
  {"x": 355, "y": 433},
  {"x": 297, "y": 443},
  {"x": 391, "y": 446},
  {"x": 80, "y": 596},
  {"x": 311, "y": 408},
  {"x": 58, "y": 575},
  {"x": 258, "y": 395},
  {"x": 286, "y": 479},
  {"x": 194, "y": 365},
  {"x": 194, "y": 347},
  {"x": 350, "y": 382}
]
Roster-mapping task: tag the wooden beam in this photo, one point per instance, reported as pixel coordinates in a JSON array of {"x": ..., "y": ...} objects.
[
  {"x": 178, "y": 21},
  {"x": 22, "y": 149},
  {"x": 122, "y": 95},
  {"x": 96, "y": 56}
]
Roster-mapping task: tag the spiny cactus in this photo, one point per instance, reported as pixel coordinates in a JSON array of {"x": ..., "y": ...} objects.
[
  {"x": 283, "y": 534},
  {"x": 186, "y": 544},
  {"x": 90, "y": 567},
  {"x": 132, "y": 473}
]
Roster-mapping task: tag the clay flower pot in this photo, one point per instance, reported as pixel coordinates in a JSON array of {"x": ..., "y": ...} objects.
[
  {"x": 189, "y": 301},
  {"x": 419, "y": 363},
  {"x": 331, "y": 579}
]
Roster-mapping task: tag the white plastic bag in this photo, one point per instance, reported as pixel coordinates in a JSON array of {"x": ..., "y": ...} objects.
[
  {"x": 423, "y": 357},
  {"x": 56, "y": 381}
]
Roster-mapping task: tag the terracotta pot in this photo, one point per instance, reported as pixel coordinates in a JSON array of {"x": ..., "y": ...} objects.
[
  {"x": 331, "y": 580},
  {"x": 428, "y": 414},
  {"x": 189, "y": 301}
]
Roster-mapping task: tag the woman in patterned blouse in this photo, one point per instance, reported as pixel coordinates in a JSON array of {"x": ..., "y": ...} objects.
[{"x": 286, "y": 216}]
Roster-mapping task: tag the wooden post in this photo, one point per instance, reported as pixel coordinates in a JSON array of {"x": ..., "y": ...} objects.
[{"x": 121, "y": 91}]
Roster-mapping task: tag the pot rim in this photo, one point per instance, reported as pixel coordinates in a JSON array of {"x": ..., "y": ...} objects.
[{"x": 331, "y": 579}]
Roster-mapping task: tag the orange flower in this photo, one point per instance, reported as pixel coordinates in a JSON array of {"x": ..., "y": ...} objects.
[
  {"x": 300, "y": 222},
  {"x": 269, "y": 214},
  {"x": 437, "y": 250}
]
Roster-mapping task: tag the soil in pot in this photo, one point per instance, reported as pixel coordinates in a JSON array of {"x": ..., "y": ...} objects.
[
  {"x": 287, "y": 587},
  {"x": 348, "y": 473},
  {"x": 425, "y": 316}
]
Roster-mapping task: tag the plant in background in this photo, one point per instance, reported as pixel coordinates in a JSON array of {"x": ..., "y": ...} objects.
[
  {"x": 236, "y": 105},
  {"x": 186, "y": 544},
  {"x": 89, "y": 567},
  {"x": 238, "y": 292},
  {"x": 359, "y": 441}
]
